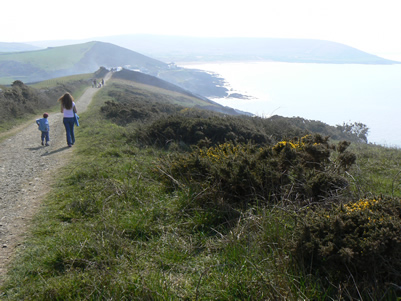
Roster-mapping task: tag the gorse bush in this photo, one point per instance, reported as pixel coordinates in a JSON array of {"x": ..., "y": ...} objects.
[
  {"x": 231, "y": 175},
  {"x": 19, "y": 100},
  {"x": 196, "y": 130},
  {"x": 359, "y": 242},
  {"x": 202, "y": 128}
]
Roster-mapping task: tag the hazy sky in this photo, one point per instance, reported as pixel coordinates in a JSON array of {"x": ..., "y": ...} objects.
[{"x": 370, "y": 25}]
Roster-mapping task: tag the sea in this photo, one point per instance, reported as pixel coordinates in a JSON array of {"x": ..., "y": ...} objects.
[{"x": 331, "y": 93}]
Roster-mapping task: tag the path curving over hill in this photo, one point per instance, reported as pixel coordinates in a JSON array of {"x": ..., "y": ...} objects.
[{"x": 27, "y": 170}]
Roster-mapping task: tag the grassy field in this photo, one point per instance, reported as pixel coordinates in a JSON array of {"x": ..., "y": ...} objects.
[
  {"x": 111, "y": 229},
  {"x": 62, "y": 81},
  {"x": 166, "y": 95},
  {"x": 38, "y": 65},
  {"x": 63, "y": 57}
]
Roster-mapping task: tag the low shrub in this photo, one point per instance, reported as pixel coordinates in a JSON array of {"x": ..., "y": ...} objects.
[
  {"x": 202, "y": 128},
  {"x": 230, "y": 176},
  {"x": 19, "y": 100},
  {"x": 197, "y": 130},
  {"x": 356, "y": 245}
]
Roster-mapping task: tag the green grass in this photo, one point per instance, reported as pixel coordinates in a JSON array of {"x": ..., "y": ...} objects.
[
  {"x": 63, "y": 57},
  {"x": 109, "y": 230},
  {"x": 378, "y": 170},
  {"x": 62, "y": 80},
  {"x": 152, "y": 92}
]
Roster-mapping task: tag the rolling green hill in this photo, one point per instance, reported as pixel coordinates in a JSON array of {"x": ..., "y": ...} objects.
[
  {"x": 32, "y": 66},
  {"x": 55, "y": 62},
  {"x": 165, "y": 90}
]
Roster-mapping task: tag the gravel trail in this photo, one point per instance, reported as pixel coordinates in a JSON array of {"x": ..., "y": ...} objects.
[{"x": 27, "y": 170}]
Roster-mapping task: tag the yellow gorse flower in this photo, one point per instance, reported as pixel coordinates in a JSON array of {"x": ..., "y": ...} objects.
[
  {"x": 362, "y": 204},
  {"x": 220, "y": 152},
  {"x": 285, "y": 143},
  {"x": 226, "y": 150},
  {"x": 295, "y": 144}
]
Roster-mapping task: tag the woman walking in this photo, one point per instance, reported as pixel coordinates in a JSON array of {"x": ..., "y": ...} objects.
[{"x": 69, "y": 109}]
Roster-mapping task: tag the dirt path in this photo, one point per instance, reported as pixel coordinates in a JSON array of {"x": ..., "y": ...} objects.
[{"x": 27, "y": 170}]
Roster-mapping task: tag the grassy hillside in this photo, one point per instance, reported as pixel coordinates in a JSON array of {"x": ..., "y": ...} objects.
[
  {"x": 191, "y": 215},
  {"x": 62, "y": 57},
  {"x": 40, "y": 65},
  {"x": 183, "y": 96},
  {"x": 31, "y": 66}
]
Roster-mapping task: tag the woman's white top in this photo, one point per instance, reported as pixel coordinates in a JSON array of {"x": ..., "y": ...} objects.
[{"x": 69, "y": 113}]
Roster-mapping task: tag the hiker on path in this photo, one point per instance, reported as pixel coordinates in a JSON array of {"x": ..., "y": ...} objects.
[
  {"x": 44, "y": 127},
  {"x": 69, "y": 109}
]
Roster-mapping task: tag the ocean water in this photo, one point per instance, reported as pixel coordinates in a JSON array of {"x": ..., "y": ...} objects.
[{"x": 331, "y": 93}]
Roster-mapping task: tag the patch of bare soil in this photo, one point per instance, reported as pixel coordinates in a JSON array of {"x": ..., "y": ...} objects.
[{"x": 27, "y": 170}]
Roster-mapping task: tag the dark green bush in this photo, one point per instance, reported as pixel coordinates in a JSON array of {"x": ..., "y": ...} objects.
[
  {"x": 230, "y": 176},
  {"x": 357, "y": 245},
  {"x": 19, "y": 100},
  {"x": 196, "y": 127},
  {"x": 195, "y": 130}
]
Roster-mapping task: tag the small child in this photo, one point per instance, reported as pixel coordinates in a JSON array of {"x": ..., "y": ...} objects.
[{"x": 44, "y": 127}]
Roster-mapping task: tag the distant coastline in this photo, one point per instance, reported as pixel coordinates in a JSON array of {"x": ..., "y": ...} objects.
[
  {"x": 220, "y": 88},
  {"x": 215, "y": 86}
]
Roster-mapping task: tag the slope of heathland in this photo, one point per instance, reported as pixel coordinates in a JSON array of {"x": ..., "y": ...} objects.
[
  {"x": 161, "y": 202},
  {"x": 183, "y": 97}
]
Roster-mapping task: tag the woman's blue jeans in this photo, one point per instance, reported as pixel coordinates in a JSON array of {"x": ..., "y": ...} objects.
[{"x": 69, "y": 129}]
